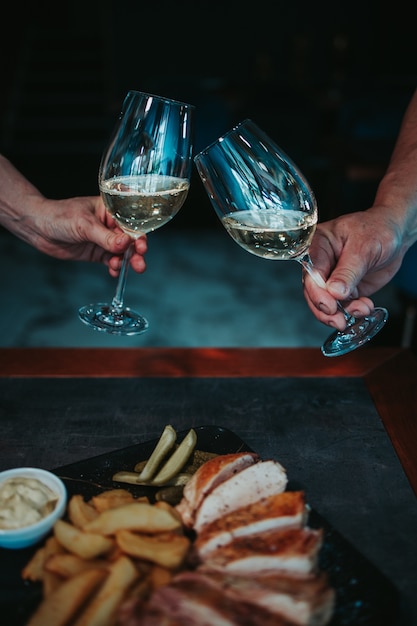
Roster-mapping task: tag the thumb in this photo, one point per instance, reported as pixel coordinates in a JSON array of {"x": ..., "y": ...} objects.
[
  {"x": 111, "y": 241},
  {"x": 118, "y": 242},
  {"x": 342, "y": 282}
]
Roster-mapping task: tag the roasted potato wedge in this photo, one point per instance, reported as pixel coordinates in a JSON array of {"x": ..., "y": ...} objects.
[
  {"x": 103, "y": 606},
  {"x": 86, "y": 545},
  {"x": 168, "y": 550},
  {"x": 65, "y": 602},
  {"x": 80, "y": 512},
  {"x": 135, "y": 516}
]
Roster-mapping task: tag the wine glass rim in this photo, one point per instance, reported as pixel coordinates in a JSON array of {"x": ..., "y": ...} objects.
[
  {"x": 219, "y": 139},
  {"x": 161, "y": 98}
]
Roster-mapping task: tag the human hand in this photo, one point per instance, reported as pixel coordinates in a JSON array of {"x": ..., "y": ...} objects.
[
  {"x": 357, "y": 254},
  {"x": 81, "y": 229}
]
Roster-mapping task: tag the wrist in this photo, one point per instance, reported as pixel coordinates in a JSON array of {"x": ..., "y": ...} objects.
[{"x": 397, "y": 205}]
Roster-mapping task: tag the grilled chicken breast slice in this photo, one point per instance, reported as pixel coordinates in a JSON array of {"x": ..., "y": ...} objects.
[
  {"x": 194, "y": 601},
  {"x": 306, "y": 601},
  {"x": 137, "y": 612},
  {"x": 293, "y": 551},
  {"x": 287, "y": 509},
  {"x": 250, "y": 485},
  {"x": 208, "y": 477}
]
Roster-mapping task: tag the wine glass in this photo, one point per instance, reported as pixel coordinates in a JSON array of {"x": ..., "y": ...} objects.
[
  {"x": 144, "y": 177},
  {"x": 267, "y": 207}
]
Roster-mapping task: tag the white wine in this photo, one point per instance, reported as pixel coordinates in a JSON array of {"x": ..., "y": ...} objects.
[
  {"x": 140, "y": 204},
  {"x": 278, "y": 235}
]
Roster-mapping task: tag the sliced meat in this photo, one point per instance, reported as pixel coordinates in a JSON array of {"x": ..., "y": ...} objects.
[
  {"x": 250, "y": 485},
  {"x": 195, "y": 601},
  {"x": 255, "y": 559},
  {"x": 293, "y": 551},
  {"x": 281, "y": 510},
  {"x": 306, "y": 601},
  {"x": 195, "y": 604},
  {"x": 136, "y": 612},
  {"x": 207, "y": 477}
]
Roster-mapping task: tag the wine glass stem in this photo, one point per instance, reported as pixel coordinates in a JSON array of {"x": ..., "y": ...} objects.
[
  {"x": 350, "y": 320},
  {"x": 118, "y": 298},
  {"x": 307, "y": 264}
]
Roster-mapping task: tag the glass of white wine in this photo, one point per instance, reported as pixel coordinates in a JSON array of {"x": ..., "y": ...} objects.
[
  {"x": 144, "y": 177},
  {"x": 267, "y": 206}
]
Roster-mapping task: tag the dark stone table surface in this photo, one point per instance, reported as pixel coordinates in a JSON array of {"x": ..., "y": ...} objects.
[{"x": 326, "y": 431}]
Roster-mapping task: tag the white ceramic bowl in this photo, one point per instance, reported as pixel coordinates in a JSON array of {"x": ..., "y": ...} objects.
[{"x": 29, "y": 535}]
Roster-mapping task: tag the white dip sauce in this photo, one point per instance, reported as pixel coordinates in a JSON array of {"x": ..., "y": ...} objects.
[{"x": 24, "y": 501}]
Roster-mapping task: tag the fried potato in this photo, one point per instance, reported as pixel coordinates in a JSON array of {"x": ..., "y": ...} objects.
[
  {"x": 61, "y": 606},
  {"x": 168, "y": 549},
  {"x": 51, "y": 581},
  {"x": 84, "y": 544},
  {"x": 53, "y": 546},
  {"x": 160, "y": 576},
  {"x": 67, "y": 565},
  {"x": 142, "y": 589},
  {"x": 80, "y": 512},
  {"x": 135, "y": 516},
  {"x": 111, "y": 547},
  {"x": 166, "y": 506},
  {"x": 33, "y": 569},
  {"x": 103, "y": 606},
  {"x": 111, "y": 499}
]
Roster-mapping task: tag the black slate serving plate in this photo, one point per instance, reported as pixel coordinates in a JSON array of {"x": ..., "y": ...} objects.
[{"x": 365, "y": 597}]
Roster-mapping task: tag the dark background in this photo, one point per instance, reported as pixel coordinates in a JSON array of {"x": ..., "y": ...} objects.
[{"x": 329, "y": 81}]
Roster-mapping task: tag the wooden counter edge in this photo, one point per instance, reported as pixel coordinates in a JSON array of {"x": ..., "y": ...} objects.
[
  {"x": 393, "y": 388},
  {"x": 193, "y": 362}
]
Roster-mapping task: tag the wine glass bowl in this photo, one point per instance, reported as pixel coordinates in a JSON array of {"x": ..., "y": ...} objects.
[
  {"x": 141, "y": 204},
  {"x": 144, "y": 178},
  {"x": 268, "y": 207}
]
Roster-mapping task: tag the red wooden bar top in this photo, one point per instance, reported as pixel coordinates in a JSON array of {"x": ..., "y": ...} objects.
[
  {"x": 390, "y": 374},
  {"x": 179, "y": 362}
]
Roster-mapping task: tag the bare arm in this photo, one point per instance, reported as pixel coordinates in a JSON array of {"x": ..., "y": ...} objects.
[
  {"x": 73, "y": 228},
  {"x": 360, "y": 252}
]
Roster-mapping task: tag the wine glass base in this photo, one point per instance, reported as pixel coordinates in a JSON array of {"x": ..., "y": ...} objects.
[
  {"x": 356, "y": 335},
  {"x": 104, "y": 318}
]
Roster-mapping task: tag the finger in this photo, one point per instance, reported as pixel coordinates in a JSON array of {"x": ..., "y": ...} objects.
[
  {"x": 141, "y": 245},
  {"x": 138, "y": 263},
  {"x": 346, "y": 276},
  {"x": 113, "y": 241},
  {"x": 320, "y": 298},
  {"x": 359, "y": 307},
  {"x": 325, "y": 308},
  {"x": 336, "y": 320},
  {"x": 117, "y": 243}
]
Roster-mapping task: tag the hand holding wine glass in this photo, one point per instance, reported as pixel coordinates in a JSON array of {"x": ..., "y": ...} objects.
[
  {"x": 144, "y": 178},
  {"x": 267, "y": 207}
]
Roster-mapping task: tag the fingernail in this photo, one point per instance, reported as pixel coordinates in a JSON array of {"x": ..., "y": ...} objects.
[
  {"x": 338, "y": 288},
  {"x": 324, "y": 309},
  {"x": 359, "y": 314}
]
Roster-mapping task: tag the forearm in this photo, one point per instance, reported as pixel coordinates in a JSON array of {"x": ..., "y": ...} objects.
[
  {"x": 397, "y": 191},
  {"x": 19, "y": 201}
]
